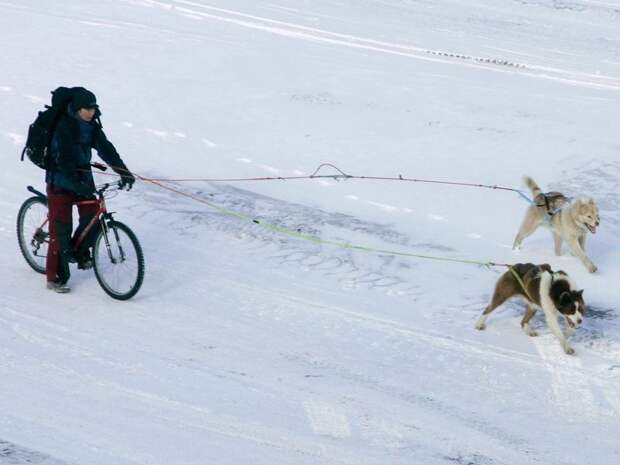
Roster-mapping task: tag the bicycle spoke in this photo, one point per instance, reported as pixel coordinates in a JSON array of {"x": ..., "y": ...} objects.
[
  {"x": 32, "y": 231},
  {"x": 119, "y": 264}
]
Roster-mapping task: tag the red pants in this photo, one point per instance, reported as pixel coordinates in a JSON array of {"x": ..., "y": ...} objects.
[{"x": 60, "y": 204}]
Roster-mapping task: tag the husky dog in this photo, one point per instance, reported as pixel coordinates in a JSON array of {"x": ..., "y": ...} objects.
[
  {"x": 553, "y": 292},
  {"x": 570, "y": 221}
]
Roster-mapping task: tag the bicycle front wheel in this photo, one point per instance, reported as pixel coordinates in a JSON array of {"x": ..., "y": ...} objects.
[
  {"x": 118, "y": 261},
  {"x": 33, "y": 232}
]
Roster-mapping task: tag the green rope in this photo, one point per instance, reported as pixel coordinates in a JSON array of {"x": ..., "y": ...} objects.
[
  {"x": 318, "y": 240},
  {"x": 520, "y": 281}
]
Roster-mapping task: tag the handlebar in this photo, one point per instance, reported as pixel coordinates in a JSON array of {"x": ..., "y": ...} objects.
[
  {"x": 99, "y": 166},
  {"x": 108, "y": 185},
  {"x": 100, "y": 189}
]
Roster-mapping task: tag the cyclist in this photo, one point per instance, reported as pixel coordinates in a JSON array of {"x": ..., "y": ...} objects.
[{"x": 69, "y": 179}]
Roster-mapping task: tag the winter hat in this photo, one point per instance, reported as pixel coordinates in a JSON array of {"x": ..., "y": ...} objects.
[{"x": 83, "y": 98}]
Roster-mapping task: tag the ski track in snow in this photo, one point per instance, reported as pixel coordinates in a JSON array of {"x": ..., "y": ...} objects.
[{"x": 296, "y": 31}]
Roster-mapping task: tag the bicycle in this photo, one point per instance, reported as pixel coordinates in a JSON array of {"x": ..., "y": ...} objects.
[{"x": 117, "y": 256}]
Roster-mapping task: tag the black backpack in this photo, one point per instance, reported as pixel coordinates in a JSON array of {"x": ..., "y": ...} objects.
[{"x": 41, "y": 131}]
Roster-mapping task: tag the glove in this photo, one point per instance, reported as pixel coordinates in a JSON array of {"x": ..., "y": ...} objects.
[{"x": 127, "y": 180}]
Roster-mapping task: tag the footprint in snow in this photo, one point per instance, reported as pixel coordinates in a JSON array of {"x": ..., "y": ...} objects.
[
  {"x": 326, "y": 419},
  {"x": 209, "y": 143},
  {"x": 271, "y": 169},
  {"x": 157, "y": 133},
  {"x": 17, "y": 139},
  {"x": 35, "y": 99},
  {"x": 383, "y": 206}
]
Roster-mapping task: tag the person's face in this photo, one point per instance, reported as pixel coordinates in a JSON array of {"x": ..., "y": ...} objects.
[{"x": 87, "y": 114}]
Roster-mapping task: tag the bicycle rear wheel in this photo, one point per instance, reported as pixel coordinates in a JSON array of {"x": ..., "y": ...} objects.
[
  {"x": 118, "y": 261},
  {"x": 33, "y": 232}
]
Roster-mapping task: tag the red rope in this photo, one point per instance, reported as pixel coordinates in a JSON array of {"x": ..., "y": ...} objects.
[{"x": 341, "y": 176}]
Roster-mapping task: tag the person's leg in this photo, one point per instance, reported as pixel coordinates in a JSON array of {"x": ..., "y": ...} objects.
[
  {"x": 59, "y": 204},
  {"x": 87, "y": 213}
]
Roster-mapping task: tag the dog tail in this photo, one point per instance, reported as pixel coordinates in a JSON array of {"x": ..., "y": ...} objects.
[{"x": 531, "y": 184}]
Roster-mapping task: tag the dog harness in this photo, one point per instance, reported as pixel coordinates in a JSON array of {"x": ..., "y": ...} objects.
[
  {"x": 551, "y": 213},
  {"x": 547, "y": 204}
]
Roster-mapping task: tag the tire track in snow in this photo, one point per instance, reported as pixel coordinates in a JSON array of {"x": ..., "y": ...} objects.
[
  {"x": 191, "y": 415},
  {"x": 570, "y": 386},
  {"x": 436, "y": 339},
  {"x": 342, "y": 267},
  {"x": 12, "y": 454},
  {"x": 339, "y": 264}
]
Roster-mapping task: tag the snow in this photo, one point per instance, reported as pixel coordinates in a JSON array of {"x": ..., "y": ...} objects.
[{"x": 249, "y": 346}]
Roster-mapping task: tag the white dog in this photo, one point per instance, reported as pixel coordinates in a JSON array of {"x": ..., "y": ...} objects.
[{"x": 570, "y": 221}]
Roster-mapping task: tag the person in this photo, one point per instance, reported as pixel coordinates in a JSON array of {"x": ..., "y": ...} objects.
[{"x": 69, "y": 180}]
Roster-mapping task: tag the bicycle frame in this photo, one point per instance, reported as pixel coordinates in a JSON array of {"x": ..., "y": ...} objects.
[{"x": 101, "y": 216}]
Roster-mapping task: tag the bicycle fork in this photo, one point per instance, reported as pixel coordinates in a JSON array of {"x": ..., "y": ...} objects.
[{"x": 106, "y": 237}]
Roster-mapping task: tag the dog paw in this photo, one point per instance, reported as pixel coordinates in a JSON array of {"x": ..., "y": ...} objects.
[
  {"x": 481, "y": 326},
  {"x": 529, "y": 331},
  {"x": 569, "y": 350},
  {"x": 592, "y": 268}
]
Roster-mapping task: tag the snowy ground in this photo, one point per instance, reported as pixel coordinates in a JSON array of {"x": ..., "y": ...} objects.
[{"x": 245, "y": 346}]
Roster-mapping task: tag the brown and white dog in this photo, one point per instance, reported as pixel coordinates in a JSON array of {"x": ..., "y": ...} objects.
[
  {"x": 542, "y": 288},
  {"x": 569, "y": 221}
]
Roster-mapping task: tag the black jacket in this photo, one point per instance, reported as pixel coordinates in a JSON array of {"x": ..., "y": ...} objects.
[{"x": 71, "y": 154}]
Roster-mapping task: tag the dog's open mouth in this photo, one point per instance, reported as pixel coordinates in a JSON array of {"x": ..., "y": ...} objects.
[{"x": 592, "y": 229}]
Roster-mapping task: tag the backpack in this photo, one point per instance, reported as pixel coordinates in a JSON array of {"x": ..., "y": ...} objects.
[{"x": 41, "y": 131}]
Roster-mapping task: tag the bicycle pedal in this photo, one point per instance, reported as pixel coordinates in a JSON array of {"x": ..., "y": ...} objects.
[{"x": 86, "y": 265}]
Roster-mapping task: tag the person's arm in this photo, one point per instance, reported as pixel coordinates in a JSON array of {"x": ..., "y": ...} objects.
[{"x": 107, "y": 152}]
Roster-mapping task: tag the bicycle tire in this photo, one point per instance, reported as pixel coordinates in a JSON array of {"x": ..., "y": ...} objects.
[
  {"x": 123, "y": 242},
  {"x": 32, "y": 238}
]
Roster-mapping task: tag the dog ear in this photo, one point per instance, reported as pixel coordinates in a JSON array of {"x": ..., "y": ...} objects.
[{"x": 565, "y": 298}]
